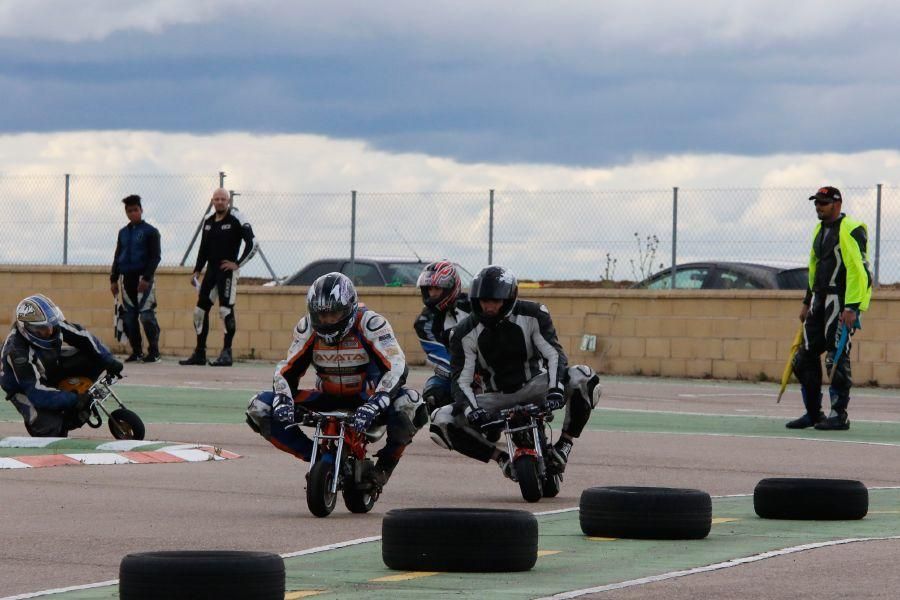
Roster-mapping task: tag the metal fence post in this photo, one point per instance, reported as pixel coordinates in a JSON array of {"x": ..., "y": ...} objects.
[
  {"x": 877, "y": 232},
  {"x": 352, "y": 235},
  {"x": 66, "y": 226},
  {"x": 200, "y": 226},
  {"x": 259, "y": 250},
  {"x": 491, "y": 231},
  {"x": 674, "y": 233}
]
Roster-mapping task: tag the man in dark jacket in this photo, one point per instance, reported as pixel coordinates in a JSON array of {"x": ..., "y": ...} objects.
[
  {"x": 223, "y": 233},
  {"x": 137, "y": 256}
]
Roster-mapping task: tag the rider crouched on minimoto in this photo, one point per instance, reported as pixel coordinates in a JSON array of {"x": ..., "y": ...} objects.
[
  {"x": 444, "y": 308},
  {"x": 42, "y": 350},
  {"x": 359, "y": 366},
  {"x": 512, "y": 345}
]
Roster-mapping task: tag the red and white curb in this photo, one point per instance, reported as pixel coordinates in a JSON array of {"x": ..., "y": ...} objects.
[{"x": 124, "y": 452}]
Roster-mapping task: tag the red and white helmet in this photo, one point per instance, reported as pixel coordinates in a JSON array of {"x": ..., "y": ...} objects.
[{"x": 441, "y": 274}]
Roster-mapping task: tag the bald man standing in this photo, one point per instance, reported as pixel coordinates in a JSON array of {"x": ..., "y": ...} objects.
[{"x": 223, "y": 233}]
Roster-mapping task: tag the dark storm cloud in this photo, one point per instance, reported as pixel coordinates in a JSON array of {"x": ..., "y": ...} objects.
[{"x": 578, "y": 85}]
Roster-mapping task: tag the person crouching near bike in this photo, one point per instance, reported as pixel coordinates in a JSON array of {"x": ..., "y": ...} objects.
[
  {"x": 512, "y": 345},
  {"x": 444, "y": 307},
  {"x": 42, "y": 350},
  {"x": 359, "y": 365}
]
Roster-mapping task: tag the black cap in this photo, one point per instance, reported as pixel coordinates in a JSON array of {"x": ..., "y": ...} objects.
[{"x": 831, "y": 194}]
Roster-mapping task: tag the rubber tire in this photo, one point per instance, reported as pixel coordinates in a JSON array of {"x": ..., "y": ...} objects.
[
  {"x": 550, "y": 485},
  {"x": 527, "y": 475},
  {"x": 359, "y": 501},
  {"x": 319, "y": 499},
  {"x": 191, "y": 574},
  {"x": 811, "y": 499},
  {"x": 134, "y": 426},
  {"x": 645, "y": 513},
  {"x": 472, "y": 540}
]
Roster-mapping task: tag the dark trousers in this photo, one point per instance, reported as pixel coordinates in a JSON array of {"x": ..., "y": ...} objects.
[
  {"x": 140, "y": 309},
  {"x": 821, "y": 333}
]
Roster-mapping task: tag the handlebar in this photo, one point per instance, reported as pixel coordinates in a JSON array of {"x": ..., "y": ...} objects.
[
  {"x": 521, "y": 410},
  {"x": 305, "y": 416}
]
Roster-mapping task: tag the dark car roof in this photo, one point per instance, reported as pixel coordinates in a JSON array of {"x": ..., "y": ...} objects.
[
  {"x": 771, "y": 276},
  {"x": 382, "y": 262}
]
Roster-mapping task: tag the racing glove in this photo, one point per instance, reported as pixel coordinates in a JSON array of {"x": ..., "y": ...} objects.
[
  {"x": 283, "y": 409},
  {"x": 477, "y": 417},
  {"x": 114, "y": 367},
  {"x": 83, "y": 407},
  {"x": 554, "y": 399},
  {"x": 364, "y": 416}
]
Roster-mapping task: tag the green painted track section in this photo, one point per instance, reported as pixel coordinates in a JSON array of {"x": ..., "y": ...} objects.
[
  {"x": 180, "y": 405},
  {"x": 581, "y": 563},
  {"x": 170, "y": 405},
  {"x": 76, "y": 445},
  {"x": 656, "y": 422}
]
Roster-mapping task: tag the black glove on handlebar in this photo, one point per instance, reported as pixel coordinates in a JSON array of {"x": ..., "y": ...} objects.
[
  {"x": 554, "y": 399},
  {"x": 477, "y": 417},
  {"x": 114, "y": 367},
  {"x": 83, "y": 407}
]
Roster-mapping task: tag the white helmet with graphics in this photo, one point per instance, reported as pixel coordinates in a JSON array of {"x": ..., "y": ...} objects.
[{"x": 38, "y": 319}]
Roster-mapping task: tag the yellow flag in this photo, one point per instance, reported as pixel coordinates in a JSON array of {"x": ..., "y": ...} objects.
[{"x": 788, "y": 368}]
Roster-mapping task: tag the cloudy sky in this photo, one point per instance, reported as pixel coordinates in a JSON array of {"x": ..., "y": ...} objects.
[{"x": 407, "y": 96}]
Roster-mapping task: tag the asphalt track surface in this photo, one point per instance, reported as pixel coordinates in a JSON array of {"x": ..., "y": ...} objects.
[{"x": 69, "y": 527}]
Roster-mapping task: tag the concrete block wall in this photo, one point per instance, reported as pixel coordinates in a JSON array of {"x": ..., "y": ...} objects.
[{"x": 724, "y": 334}]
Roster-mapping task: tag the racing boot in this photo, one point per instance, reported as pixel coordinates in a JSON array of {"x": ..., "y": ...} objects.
[
  {"x": 836, "y": 422},
  {"x": 506, "y": 465},
  {"x": 805, "y": 421},
  {"x": 560, "y": 452},
  {"x": 197, "y": 358},
  {"x": 382, "y": 471},
  {"x": 224, "y": 359}
]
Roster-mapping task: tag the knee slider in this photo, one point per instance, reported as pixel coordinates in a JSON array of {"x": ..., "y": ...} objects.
[
  {"x": 259, "y": 416},
  {"x": 439, "y": 437},
  {"x": 583, "y": 385},
  {"x": 408, "y": 415},
  {"x": 199, "y": 315}
]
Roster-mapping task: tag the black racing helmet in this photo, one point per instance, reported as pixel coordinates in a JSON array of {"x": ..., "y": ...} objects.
[
  {"x": 332, "y": 293},
  {"x": 441, "y": 274},
  {"x": 494, "y": 283}
]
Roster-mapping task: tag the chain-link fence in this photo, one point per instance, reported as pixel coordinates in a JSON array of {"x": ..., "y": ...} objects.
[{"x": 563, "y": 235}]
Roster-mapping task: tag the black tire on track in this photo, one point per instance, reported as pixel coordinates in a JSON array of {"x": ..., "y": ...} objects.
[
  {"x": 319, "y": 499},
  {"x": 191, "y": 574},
  {"x": 126, "y": 425},
  {"x": 550, "y": 486},
  {"x": 649, "y": 513},
  {"x": 811, "y": 499},
  {"x": 527, "y": 475},
  {"x": 359, "y": 501},
  {"x": 474, "y": 540}
]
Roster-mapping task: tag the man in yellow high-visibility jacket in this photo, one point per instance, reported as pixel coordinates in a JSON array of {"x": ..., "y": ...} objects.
[{"x": 840, "y": 287}]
